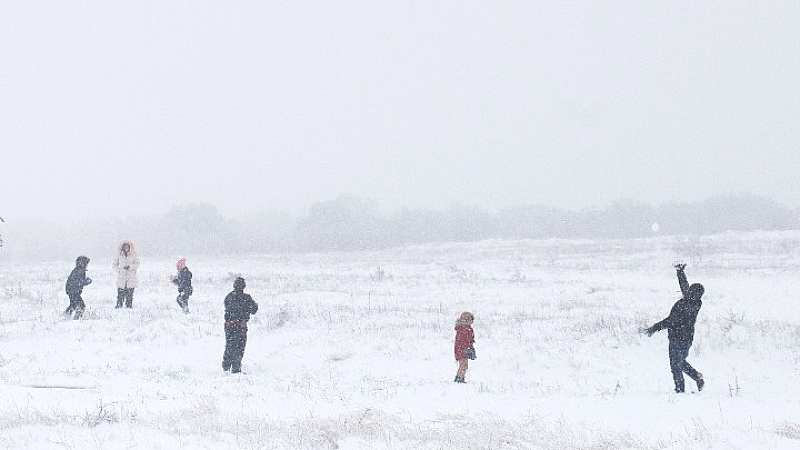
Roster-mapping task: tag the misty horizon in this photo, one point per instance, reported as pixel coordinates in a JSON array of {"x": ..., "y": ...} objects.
[
  {"x": 352, "y": 224},
  {"x": 372, "y": 204}
]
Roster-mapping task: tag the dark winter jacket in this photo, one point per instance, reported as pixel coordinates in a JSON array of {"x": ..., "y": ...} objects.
[
  {"x": 77, "y": 278},
  {"x": 238, "y": 307},
  {"x": 681, "y": 319},
  {"x": 465, "y": 338},
  {"x": 184, "y": 281}
]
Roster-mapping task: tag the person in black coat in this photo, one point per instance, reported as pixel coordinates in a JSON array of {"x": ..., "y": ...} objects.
[
  {"x": 75, "y": 282},
  {"x": 184, "y": 281},
  {"x": 680, "y": 331},
  {"x": 238, "y": 307}
]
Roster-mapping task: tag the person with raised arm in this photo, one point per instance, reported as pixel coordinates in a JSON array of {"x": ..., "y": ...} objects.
[{"x": 680, "y": 330}]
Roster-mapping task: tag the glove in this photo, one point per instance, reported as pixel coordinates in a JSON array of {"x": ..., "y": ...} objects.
[
  {"x": 680, "y": 266},
  {"x": 87, "y": 281},
  {"x": 649, "y": 332}
]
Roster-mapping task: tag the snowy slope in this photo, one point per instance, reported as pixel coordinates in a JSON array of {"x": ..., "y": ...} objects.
[{"x": 354, "y": 350}]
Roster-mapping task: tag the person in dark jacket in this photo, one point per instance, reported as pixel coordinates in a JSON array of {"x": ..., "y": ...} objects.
[
  {"x": 680, "y": 330},
  {"x": 75, "y": 282},
  {"x": 238, "y": 307},
  {"x": 184, "y": 281}
]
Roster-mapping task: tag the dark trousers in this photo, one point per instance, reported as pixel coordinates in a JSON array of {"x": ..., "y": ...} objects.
[
  {"x": 76, "y": 305},
  {"x": 235, "y": 341},
  {"x": 125, "y": 295},
  {"x": 678, "y": 351},
  {"x": 183, "y": 300}
]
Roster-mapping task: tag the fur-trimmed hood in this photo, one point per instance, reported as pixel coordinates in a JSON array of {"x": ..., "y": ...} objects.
[
  {"x": 126, "y": 241},
  {"x": 126, "y": 266}
]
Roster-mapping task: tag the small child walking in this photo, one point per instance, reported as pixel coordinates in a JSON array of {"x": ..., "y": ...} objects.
[
  {"x": 184, "y": 281},
  {"x": 75, "y": 283},
  {"x": 238, "y": 307},
  {"x": 464, "y": 341}
]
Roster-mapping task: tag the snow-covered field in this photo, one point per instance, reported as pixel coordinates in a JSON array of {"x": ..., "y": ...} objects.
[{"x": 355, "y": 350}]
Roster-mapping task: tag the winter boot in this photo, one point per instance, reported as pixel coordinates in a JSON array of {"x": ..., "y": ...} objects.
[
  {"x": 680, "y": 386},
  {"x": 700, "y": 382},
  {"x": 459, "y": 380}
]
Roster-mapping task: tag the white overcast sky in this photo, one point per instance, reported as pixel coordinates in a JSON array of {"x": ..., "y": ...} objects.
[{"x": 124, "y": 108}]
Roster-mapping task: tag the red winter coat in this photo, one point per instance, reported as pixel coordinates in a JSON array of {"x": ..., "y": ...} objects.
[{"x": 465, "y": 337}]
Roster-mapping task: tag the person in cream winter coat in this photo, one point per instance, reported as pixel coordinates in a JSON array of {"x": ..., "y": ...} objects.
[{"x": 126, "y": 264}]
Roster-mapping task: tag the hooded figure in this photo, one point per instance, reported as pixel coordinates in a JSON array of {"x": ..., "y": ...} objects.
[
  {"x": 463, "y": 346},
  {"x": 126, "y": 264},
  {"x": 238, "y": 307},
  {"x": 74, "y": 287},
  {"x": 680, "y": 331}
]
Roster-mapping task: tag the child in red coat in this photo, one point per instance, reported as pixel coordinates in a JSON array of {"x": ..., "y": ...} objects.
[{"x": 465, "y": 338}]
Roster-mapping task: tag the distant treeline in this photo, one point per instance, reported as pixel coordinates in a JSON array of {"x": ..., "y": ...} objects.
[{"x": 348, "y": 223}]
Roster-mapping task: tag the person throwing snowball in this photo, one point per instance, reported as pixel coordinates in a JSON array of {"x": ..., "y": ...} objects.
[{"x": 680, "y": 331}]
